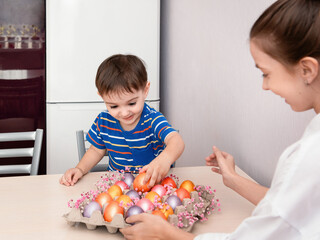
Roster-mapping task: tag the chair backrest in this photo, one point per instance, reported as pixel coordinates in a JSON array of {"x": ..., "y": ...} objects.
[
  {"x": 33, "y": 152},
  {"x": 83, "y": 145}
]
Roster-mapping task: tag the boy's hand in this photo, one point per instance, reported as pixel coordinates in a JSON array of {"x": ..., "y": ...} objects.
[
  {"x": 156, "y": 170},
  {"x": 71, "y": 176}
]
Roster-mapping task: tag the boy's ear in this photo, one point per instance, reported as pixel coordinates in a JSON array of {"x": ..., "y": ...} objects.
[
  {"x": 99, "y": 94},
  {"x": 309, "y": 69},
  {"x": 146, "y": 89}
]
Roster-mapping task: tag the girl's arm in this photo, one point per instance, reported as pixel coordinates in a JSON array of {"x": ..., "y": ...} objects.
[{"x": 223, "y": 163}]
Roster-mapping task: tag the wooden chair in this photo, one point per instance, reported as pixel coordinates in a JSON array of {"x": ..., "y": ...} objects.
[{"x": 33, "y": 152}]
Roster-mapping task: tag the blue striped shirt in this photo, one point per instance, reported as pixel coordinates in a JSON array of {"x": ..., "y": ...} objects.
[{"x": 135, "y": 148}]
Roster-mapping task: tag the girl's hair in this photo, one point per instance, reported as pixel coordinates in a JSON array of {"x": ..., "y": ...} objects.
[
  {"x": 289, "y": 30},
  {"x": 121, "y": 73}
]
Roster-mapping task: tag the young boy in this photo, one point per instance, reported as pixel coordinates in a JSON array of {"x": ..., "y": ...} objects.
[{"x": 134, "y": 134}]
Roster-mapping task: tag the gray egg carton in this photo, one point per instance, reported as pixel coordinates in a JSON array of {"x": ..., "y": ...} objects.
[{"x": 195, "y": 207}]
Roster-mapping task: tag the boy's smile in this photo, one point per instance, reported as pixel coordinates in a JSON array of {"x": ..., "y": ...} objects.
[{"x": 126, "y": 107}]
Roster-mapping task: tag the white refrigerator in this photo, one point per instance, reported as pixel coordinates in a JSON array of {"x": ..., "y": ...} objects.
[{"x": 80, "y": 34}]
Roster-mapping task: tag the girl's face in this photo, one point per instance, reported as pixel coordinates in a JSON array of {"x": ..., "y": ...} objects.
[
  {"x": 282, "y": 81},
  {"x": 126, "y": 107}
]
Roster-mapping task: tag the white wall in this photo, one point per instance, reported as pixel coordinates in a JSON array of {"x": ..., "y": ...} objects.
[{"x": 211, "y": 91}]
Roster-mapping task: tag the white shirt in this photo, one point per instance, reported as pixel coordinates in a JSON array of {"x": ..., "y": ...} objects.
[{"x": 291, "y": 207}]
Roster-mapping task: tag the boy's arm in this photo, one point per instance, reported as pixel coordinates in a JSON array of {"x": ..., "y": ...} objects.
[
  {"x": 91, "y": 158},
  {"x": 88, "y": 161},
  {"x": 159, "y": 167}
]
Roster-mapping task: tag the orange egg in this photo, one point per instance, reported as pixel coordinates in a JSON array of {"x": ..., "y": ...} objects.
[
  {"x": 138, "y": 183},
  {"x": 188, "y": 185},
  {"x": 115, "y": 191},
  {"x": 103, "y": 198},
  {"x": 182, "y": 193},
  {"x": 169, "y": 181},
  {"x": 159, "y": 213},
  {"x": 167, "y": 210},
  {"x": 153, "y": 197},
  {"x": 111, "y": 210},
  {"x": 125, "y": 199}
]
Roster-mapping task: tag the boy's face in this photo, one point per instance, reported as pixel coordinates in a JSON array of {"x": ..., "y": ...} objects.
[{"x": 126, "y": 107}]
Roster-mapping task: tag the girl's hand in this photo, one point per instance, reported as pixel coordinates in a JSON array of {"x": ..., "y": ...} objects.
[
  {"x": 71, "y": 176},
  {"x": 156, "y": 170},
  {"x": 223, "y": 163},
  {"x": 148, "y": 226}
]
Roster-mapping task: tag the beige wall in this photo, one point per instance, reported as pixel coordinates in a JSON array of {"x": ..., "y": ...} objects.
[{"x": 211, "y": 91}]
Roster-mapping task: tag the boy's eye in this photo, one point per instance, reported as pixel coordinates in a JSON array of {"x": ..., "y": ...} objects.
[
  {"x": 132, "y": 104},
  {"x": 264, "y": 75},
  {"x": 112, "y": 107}
]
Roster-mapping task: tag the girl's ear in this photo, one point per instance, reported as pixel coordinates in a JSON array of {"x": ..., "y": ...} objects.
[
  {"x": 146, "y": 89},
  {"x": 309, "y": 69}
]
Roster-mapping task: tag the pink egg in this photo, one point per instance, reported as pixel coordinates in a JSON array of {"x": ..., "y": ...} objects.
[
  {"x": 145, "y": 204},
  {"x": 122, "y": 184},
  {"x": 161, "y": 190}
]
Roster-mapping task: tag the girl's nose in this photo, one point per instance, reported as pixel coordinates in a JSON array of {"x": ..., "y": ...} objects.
[{"x": 265, "y": 85}]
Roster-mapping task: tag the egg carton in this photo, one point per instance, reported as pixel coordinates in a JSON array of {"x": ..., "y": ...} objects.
[{"x": 184, "y": 217}]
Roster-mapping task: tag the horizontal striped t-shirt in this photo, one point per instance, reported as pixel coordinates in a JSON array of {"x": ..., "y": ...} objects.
[{"x": 135, "y": 148}]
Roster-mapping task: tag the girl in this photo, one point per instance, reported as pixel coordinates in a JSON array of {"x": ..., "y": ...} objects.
[{"x": 285, "y": 45}]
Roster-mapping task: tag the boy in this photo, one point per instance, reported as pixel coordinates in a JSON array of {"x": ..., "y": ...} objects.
[{"x": 134, "y": 134}]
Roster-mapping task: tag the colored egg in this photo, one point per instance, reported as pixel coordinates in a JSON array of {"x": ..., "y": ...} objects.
[
  {"x": 133, "y": 194},
  {"x": 173, "y": 201},
  {"x": 115, "y": 191},
  {"x": 169, "y": 181},
  {"x": 188, "y": 185},
  {"x": 122, "y": 185},
  {"x": 167, "y": 210},
  {"x": 103, "y": 198},
  {"x": 124, "y": 201},
  {"x": 90, "y": 208},
  {"x": 133, "y": 210},
  {"x": 161, "y": 190},
  {"x": 159, "y": 213},
  {"x": 153, "y": 197},
  {"x": 128, "y": 178},
  {"x": 182, "y": 193},
  {"x": 145, "y": 204},
  {"x": 111, "y": 210},
  {"x": 138, "y": 183}
]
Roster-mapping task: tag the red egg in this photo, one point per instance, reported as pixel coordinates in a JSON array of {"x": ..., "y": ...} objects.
[
  {"x": 161, "y": 190},
  {"x": 138, "y": 183},
  {"x": 103, "y": 198},
  {"x": 153, "y": 197},
  {"x": 115, "y": 191},
  {"x": 169, "y": 181},
  {"x": 188, "y": 185},
  {"x": 122, "y": 184},
  {"x": 182, "y": 193},
  {"x": 111, "y": 210},
  {"x": 145, "y": 204},
  {"x": 159, "y": 213}
]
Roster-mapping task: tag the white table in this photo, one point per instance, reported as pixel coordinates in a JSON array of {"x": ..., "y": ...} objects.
[{"x": 32, "y": 207}]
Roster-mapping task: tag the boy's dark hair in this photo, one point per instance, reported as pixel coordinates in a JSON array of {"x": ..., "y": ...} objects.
[
  {"x": 289, "y": 30},
  {"x": 121, "y": 73}
]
